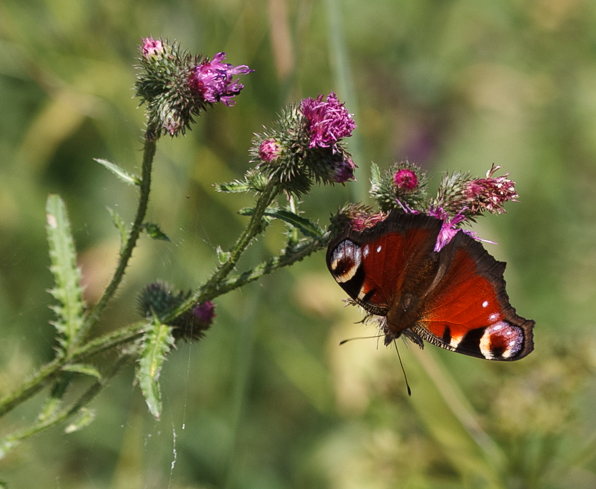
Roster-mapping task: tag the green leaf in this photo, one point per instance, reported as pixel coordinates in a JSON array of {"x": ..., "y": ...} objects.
[
  {"x": 236, "y": 186},
  {"x": 155, "y": 232},
  {"x": 306, "y": 226},
  {"x": 67, "y": 276},
  {"x": 84, "y": 418},
  {"x": 121, "y": 173},
  {"x": 81, "y": 368},
  {"x": 157, "y": 343},
  {"x": 119, "y": 223},
  {"x": 375, "y": 178},
  {"x": 222, "y": 256}
]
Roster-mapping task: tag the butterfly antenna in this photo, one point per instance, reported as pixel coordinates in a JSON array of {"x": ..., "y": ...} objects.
[
  {"x": 343, "y": 342},
  {"x": 403, "y": 369}
]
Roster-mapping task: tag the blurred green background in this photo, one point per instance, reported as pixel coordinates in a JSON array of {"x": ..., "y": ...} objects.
[{"x": 269, "y": 400}]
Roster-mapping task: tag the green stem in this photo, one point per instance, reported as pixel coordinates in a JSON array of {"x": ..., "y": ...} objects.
[
  {"x": 133, "y": 236},
  {"x": 11, "y": 440},
  {"x": 254, "y": 227}
]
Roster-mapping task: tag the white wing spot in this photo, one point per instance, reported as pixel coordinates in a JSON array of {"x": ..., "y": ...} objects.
[
  {"x": 493, "y": 317},
  {"x": 365, "y": 251},
  {"x": 485, "y": 304},
  {"x": 378, "y": 248}
]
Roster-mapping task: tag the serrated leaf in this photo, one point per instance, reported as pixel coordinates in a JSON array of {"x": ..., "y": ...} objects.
[
  {"x": 155, "y": 232},
  {"x": 375, "y": 172},
  {"x": 157, "y": 343},
  {"x": 66, "y": 274},
  {"x": 84, "y": 418},
  {"x": 306, "y": 226},
  {"x": 236, "y": 186},
  {"x": 81, "y": 368},
  {"x": 121, "y": 173},
  {"x": 119, "y": 223}
]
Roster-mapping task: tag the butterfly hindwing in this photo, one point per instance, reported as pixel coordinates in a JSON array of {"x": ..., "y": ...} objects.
[{"x": 468, "y": 309}]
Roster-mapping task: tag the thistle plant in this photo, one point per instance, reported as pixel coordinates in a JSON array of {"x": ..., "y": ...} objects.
[{"x": 306, "y": 146}]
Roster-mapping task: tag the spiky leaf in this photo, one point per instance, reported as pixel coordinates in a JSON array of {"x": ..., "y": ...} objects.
[
  {"x": 157, "y": 343},
  {"x": 67, "y": 276},
  {"x": 119, "y": 223},
  {"x": 121, "y": 173},
  {"x": 236, "y": 186},
  {"x": 306, "y": 226},
  {"x": 81, "y": 368}
]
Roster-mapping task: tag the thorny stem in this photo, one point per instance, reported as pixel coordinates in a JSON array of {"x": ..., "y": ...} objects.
[
  {"x": 66, "y": 413},
  {"x": 133, "y": 236},
  {"x": 255, "y": 226}
]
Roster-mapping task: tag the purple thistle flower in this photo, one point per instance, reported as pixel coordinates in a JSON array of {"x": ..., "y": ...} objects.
[
  {"x": 212, "y": 80},
  {"x": 449, "y": 228},
  {"x": 326, "y": 121},
  {"x": 405, "y": 179},
  {"x": 204, "y": 313},
  {"x": 269, "y": 150},
  {"x": 490, "y": 193},
  {"x": 343, "y": 170},
  {"x": 151, "y": 47}
]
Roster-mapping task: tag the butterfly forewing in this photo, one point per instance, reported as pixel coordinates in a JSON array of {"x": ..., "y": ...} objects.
[{"x": 373, "y": 265}]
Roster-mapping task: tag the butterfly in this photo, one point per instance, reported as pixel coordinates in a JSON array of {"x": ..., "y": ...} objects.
[{"x": 453, "y": 298}]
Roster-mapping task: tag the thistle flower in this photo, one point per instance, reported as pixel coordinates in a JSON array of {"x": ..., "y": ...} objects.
[
  {"x": 269, "y": 150},
  {"x": 212, "y": 80},
  {"x": 343, "y": 170},
  {"x": 175, "y": 85},
  {"x": 193, "y": 324},
  {"x": 151, "y": 47},
  {"x": 403, "y": 184},
  {"x": 158, "y": 298},
  {"x": 306, "y": 146},
  {"x": 326, "y": 121},
  {"x": 489, "y": 193},
  {"x": 405, "y": 179}
]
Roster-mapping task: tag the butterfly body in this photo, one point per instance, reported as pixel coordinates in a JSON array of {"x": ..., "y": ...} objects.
[{"x": 454, "y": 298}]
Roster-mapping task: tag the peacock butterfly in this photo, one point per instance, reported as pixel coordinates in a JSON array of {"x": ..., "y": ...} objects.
[{"x": 454, "y": 298}]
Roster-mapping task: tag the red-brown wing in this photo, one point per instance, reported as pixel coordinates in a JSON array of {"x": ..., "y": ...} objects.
[
  {"x": 373, "y": 265},
  {"x": 467, "y": 309}
]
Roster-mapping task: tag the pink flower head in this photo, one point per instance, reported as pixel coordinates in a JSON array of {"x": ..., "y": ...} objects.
[
  {"x": 212, "y": 80},
  {"x": 151, "y": 47},
  {"x": 405, "y": 179},
  {"x": 269, "y": 150},
  {"x": 343, "y": 170},
  {"x": 204, "y": 313},
  {"x": 490, "y": 193},
  {"x": 326, "y": 121}
]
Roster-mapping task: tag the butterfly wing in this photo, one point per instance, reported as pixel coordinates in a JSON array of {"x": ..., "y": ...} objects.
[
  {"x": 373, "y": 265},
  {"x": 466, "y": 308}
]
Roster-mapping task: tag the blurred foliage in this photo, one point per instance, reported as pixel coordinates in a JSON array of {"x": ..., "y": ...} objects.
[{"x": 268, "y": 399}]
